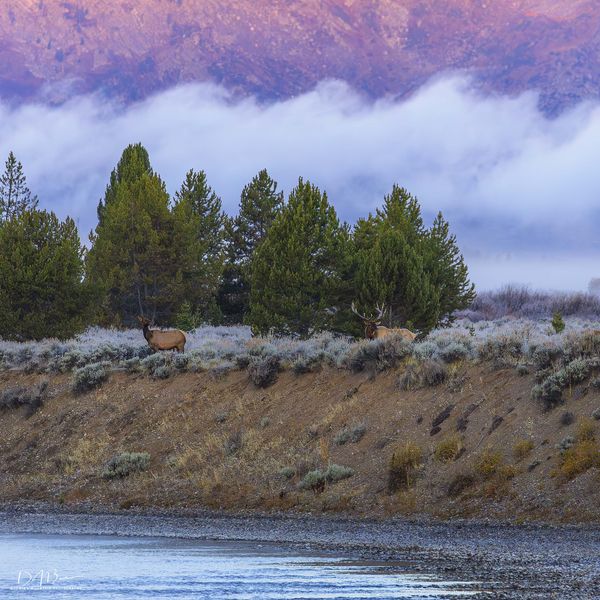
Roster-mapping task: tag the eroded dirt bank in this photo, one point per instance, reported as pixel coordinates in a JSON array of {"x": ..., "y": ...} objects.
[{"x": 222, "y": 443}]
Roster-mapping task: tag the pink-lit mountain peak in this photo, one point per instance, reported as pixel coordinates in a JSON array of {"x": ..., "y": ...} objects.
[{"x": 131, "y": 48}]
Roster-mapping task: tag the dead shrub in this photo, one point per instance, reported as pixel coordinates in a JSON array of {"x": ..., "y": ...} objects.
[
  {"x": 522, "y": 448},
  {"x": 581, "y": 457},
  {"x": 459, "y": 484},
  {"x": 488, "y": 463},
  {"x": 449, "y": 449},
  {"x": 404, "y": 463}
]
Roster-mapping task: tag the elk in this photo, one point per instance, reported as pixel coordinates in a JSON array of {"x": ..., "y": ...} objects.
[
  {"x": 170, "y": 339},
  {"x": 375, "y": 331}
]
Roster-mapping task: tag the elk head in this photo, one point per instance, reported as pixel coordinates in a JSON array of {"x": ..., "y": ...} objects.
[
  {"x": 144, "y": 322},
  {"x": 372, "y": 322}
]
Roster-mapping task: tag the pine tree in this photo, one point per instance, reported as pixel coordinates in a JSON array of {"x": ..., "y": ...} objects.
[
  {"x": 41, "y": 277},
  {"x": 15, "y": 196},
  {"x": 134, "y": 162},
  {"x": 394, "y": 265},
  {"x": 260, "y": 203},
  {"x": 134, "y": 257},
  {"x": 199, "y": 224},
  {"x": 447, "y": 270},
  {"x": 297, "y": 271}
]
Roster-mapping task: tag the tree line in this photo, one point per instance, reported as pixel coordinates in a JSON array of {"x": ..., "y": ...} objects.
[{"x": 282, "y": 266}]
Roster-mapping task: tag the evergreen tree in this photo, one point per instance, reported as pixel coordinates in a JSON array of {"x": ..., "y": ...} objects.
[
  {"x": 134, "y": 163},
  {"x": 260, "y": 203},
  {"x": 297, "y": 273},
  {"x": 41, "y": 277},
  {"x": 417, "y": 273},
  {"x": 199, "y": 224},
  {"x": 15, "y": 196},
  {"x": 447, "y": 270},
  {"x": 134, "y": 257}
]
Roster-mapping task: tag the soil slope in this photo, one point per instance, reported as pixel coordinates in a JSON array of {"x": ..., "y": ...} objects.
[{"x": 221, "y": 442}]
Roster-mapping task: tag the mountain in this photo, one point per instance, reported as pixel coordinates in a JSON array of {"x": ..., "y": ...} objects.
[{"x": 129, "y": 49}]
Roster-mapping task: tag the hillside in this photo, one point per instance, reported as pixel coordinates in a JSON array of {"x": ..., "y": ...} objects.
[
  {"x": 216, "y": 439},
  {"x": 276, "y": 49}
]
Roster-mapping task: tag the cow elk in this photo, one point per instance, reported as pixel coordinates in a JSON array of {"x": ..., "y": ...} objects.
[
  {"x": 375, "y": 331},
  {"x": 158, "y": 339}
]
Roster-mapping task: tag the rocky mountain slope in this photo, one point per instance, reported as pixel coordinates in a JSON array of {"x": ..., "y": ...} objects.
[{"x": 132, "y": 48}]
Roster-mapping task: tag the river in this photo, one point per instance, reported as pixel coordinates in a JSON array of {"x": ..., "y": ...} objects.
[{"x": 72, "y": 567}]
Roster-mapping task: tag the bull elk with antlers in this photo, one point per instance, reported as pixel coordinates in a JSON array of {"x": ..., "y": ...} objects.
[
  {"x": 375, "y": 331},
  {"x": 170, "y": 339}
]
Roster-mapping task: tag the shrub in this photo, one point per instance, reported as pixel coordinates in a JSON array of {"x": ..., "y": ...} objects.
[
  {"x": 428, "y": 373},
  {"x": 153, "y": 362},
  {"x": 522, "y": 448},
  {"x": 181, "y": 361},
  {"x": 566, "y": 443},
  {"x": 433, "y": 373},
  {"x": 353, "y": 434},
  {"x": 378, "y": 355},
  {"x": 454, "y": 351},
  {"x": 126, "y": 464},
  {"x": 459, "y": 484},
  {"x": 403, "y": 464},
  {"x": 90, "y": 377},
  {"x": 132, "y": 365},
  {"x": 550, "y": 389},
  {"x": 580, "y": 457},
  {"x": 263, "y": 371},
  {"x": 586, "y": 430},
  {"x": 449, "y": 449},
  {"x": 567, "y": 418},
  {"x": 522, "y": 369},
  {"x": 31, "y": 398},
  {"x": 162, "y": 372},
  {"x": 336, "y": 473},
  {"x": 313, "y": 480},
  {"x": 596, "y": 414},
  {"x": 287, "y": 472},
  {"x": 488, "y": 463},
  {"x": 410, "y": 379},
  {"x": 234, "y": 443},
  {"x": 558, "y": 323}
]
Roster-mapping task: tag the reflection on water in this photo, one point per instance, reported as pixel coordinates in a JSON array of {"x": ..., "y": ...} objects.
[{"x": 75, "y": 567}]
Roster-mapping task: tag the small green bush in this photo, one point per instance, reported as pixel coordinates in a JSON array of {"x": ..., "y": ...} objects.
[
  {"x": 558, "y": 323},
  {"x": 353, "y": 434},
  {"x": 126, "y": 464},
  {"x": 313, "y": 480},
  {"x": 335, "y": 473},
  {"x": 287, "y": 472},
  {"x": 90, "y": 377}
]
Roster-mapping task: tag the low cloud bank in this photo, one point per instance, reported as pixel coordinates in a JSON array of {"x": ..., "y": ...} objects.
[{"x": 522, "y": 192}]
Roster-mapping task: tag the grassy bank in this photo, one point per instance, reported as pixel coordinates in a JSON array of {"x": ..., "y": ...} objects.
[{"x": 486, "y": 419}]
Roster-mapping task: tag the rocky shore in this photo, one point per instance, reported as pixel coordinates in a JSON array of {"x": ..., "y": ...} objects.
[{"x": 532, "y": 561}]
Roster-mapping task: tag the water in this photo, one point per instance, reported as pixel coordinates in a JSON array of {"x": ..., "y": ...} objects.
[{"x": 105, "y": 568}]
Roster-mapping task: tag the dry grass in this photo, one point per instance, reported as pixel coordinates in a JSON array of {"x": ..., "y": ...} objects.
[
  {"x": 578, "y": 459},
  {"x": 522, "y": 448},
  {"x": 586, "y": 430},
  {"x": 403, "y": 465},
  {"x": 488, "y": 463},
  {"x": 449, "y": 449}
]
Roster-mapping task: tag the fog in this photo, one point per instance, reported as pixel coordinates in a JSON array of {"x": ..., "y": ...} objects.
[{"x": 520, "y": 191}]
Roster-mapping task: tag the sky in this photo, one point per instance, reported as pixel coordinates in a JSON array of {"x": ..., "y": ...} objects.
[{"x": 521, "y": 191}]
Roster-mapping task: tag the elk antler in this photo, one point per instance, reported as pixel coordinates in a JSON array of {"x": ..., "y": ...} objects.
[
  {"x": 358, "y": 314},
  {"x": 380, "y": 312}
]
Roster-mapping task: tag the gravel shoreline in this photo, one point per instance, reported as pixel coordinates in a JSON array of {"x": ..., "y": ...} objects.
[{"x": 524, "y": 562}]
